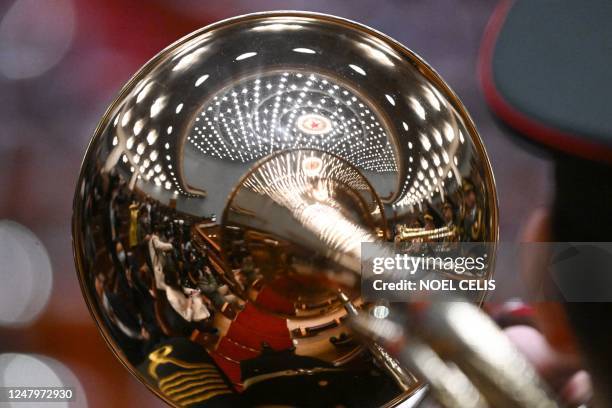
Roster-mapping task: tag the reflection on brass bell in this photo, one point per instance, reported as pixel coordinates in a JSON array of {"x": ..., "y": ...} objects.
[{"x": 225, "y": 194}]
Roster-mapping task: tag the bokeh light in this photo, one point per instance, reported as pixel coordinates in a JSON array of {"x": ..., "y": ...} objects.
[
  {"x": 26, "y": 273},
  {"x": 35, "y": 36},
  {"x": 30, "y": 370}
]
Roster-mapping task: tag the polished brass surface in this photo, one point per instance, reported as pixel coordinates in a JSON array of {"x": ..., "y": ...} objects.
[
  {"x": 225, "y": 194},
  {"x": 465, "y": 358}
]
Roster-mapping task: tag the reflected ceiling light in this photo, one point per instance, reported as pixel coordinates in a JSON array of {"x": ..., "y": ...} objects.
[
  {"x": 151, "y": 136},
  {"x": 425, "y": 142},
  {"x": 436, "y": 159},
  {"x": 357, "y": 69},
  {"x": 157, "y": 106},
  {"x": 424, "y": 163},
  {"x": 417, "y": 107},
  {"x": 282, "y": 110},
  {"x": 277, "y": 27},
  {"x": 138, "y": 127},
  {"x": 431, "y": 98},
  {"x": 304, "y": 50},
  {"x": 449, "y": 133},
  {"x": 437, "y": 136},
  {"x": 189, "y": 59},
  {"x": 201, "y": 80},
  {"x": 390, "y": 99},
  {"x": 144, "y": 92},
  {"x": 246, "y": 55},
  {"x": 126, "y": 118},
  {"x": 376, "y": 53}
]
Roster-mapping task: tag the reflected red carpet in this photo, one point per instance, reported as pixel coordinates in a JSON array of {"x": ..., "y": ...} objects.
[{"x": 245, "y": 337}]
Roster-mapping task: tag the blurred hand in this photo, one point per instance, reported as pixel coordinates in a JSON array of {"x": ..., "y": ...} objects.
[
  {"x": 552, "y": 351},
  {"x": 563, "y": 372}
]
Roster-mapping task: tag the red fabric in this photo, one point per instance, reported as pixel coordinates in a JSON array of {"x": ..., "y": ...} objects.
[
  {"x": 541, "y": 133},
  {"x": 228, "y": 348},
  {"x": 250, "y": 329},
  {"x": 270, "y": 299}
]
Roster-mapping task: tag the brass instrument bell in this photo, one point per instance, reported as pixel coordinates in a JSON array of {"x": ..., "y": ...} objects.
[{"x": 227, "y": 189}]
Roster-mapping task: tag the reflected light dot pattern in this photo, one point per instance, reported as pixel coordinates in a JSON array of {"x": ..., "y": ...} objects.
[
  {"x": 292, "y": 175},
  {"x": 292, "y": 109},
  {"x": 438, "y": 145},
  {"x": 145, "y": 149},
  {"x": 288, "y": 109},
  {"x": 304, "y": 183}
]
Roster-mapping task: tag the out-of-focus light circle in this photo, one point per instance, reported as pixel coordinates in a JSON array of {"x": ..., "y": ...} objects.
[
  {"x": 380, "y": 312},
  {"x": 34, "y": 36},
  {"x": 30, "y": 370},
  {"x": 26, "y": 274}
]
